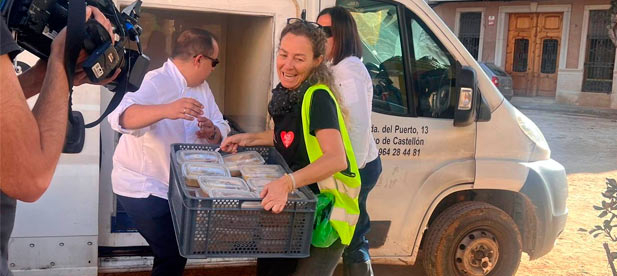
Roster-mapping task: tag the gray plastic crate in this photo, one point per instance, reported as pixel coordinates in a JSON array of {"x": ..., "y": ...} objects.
[{"x": 214, "y": 228}]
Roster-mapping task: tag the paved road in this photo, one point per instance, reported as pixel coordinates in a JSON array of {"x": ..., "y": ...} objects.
[{"x": 583, "y": 143}]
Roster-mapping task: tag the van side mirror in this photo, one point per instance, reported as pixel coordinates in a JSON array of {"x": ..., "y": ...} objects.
[{"x": 465, "y": 113}]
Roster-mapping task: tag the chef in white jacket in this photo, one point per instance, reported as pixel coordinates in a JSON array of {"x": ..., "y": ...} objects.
[{"x": 173, "y": 105}]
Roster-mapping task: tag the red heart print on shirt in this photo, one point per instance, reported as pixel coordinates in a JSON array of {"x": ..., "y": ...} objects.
[{"x": 287, "y": 137}]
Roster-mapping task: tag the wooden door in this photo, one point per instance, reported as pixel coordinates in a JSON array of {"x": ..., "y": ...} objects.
[
  {"x": 519, "y": 60},
  {"x": 546, "y": 59},
  {"x": 532, "y": 53}
]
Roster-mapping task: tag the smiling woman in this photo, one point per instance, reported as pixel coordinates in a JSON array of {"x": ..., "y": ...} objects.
[
  {"x": 310, "y": 133},
  {"x": 292, "y": 64}
]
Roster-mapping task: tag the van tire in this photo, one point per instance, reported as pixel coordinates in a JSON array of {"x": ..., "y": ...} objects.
[{"x": 446, "y": 252}]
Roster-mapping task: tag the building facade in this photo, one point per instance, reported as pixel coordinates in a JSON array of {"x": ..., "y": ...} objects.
[{"x": 554, "y": 48}]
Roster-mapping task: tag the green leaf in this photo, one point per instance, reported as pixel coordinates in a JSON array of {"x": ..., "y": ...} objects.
[
  {"x": 582, "y": 230},
  {"x": 604, "y": 204},
  {"x": 594, "y": 230},
  {"x": 607, "y": 195},
  {"x": 598, "y": 208},
  {"x": 599, "y": 227},
  {"x": 603, "y": 214},
  {"x": 611, "y": 182},
  {"x": 597, "y": 234}
]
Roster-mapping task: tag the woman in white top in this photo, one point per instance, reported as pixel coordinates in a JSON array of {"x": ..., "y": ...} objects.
[{"x": 343, "y": 51}]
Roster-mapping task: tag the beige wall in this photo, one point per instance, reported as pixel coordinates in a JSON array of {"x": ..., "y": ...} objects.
[{"x": 574, "y": 39}]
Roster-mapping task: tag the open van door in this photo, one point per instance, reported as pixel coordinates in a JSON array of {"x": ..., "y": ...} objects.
[
  {"x": 247, "y": 34},
  {"x": 415, "y": 102}
]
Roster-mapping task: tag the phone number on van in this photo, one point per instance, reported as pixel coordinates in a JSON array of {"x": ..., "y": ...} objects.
[{"x": 399, "y": 152}]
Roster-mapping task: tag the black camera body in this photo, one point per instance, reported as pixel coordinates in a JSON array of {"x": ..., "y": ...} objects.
[{"x": 37, "y": 22}]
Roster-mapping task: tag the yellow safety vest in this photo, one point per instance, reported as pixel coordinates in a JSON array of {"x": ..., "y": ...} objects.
[{"x": 344, "y": 186}]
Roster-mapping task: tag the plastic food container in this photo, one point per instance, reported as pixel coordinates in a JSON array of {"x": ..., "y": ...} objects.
[
  {"x": 261, "y": 171},
  {"x": 196, "y": 192},
  {"x": 236, "y": 160},
  {"x": 257, "y": 185},
  {"x": 208, "y": 183},
  {"x": 227, "y": 193},
  {"x": 199, "y": 156},
  {"x": 193, "y": 170}
]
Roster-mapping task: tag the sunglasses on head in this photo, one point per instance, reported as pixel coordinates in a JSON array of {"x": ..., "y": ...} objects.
[
  {"x": 300, "y": 20},
  {"x": 214, "y": 61},
  {"x": 326, "y": 29}
]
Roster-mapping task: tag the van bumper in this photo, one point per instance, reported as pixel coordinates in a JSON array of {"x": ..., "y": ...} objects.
[{"x": 547, "y": 189}]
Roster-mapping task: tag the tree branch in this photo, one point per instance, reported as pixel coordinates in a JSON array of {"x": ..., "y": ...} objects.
[{"x": 612, "y": 27}]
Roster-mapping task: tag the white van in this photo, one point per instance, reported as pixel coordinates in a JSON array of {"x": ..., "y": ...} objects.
[{"x": 467, "y": 179}]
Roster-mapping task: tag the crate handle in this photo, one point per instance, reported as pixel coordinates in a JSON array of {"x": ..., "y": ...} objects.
[{"x": 251, "y": 205}]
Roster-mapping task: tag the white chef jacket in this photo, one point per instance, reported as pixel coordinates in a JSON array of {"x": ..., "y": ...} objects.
[
  {"x": 355, "y": 86},
  {"x": 141, "y": 160}
]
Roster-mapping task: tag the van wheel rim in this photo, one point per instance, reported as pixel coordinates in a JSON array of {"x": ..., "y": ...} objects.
[{"x": 477, "y": 253}]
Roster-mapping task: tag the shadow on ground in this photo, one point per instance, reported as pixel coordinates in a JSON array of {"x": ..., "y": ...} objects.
[{"x": 386, "y": 270}]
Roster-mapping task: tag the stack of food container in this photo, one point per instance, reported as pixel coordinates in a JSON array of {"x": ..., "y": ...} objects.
[
  {"x": 239, "y": 175},
  {"x": 216, "y": 208}
]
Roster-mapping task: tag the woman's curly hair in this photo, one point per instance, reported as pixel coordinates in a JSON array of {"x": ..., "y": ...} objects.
[{"x": 321, "y": 73}]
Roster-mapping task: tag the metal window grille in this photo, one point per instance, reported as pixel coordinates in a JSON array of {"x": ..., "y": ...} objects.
[
  {"x": 521, "y": 52},
  {"x": 600, "y": 56},
  {"x": 549, "y": 56},
  {"x": 469, "y": 31}
]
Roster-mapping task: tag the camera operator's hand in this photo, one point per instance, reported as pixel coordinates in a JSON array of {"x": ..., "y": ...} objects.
[
  {"x": 184, "y": 108},
  {"x": 57, "y": 48}
]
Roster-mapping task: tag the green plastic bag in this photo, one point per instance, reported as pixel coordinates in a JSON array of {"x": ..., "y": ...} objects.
[{"x": 324, "y": 234}]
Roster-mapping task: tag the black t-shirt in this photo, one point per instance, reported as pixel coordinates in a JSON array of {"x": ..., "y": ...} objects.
[
  {"x": 7, "y": 204},
  {"x": 7, "y": 44},
  {"x": 288, "y": 136}
]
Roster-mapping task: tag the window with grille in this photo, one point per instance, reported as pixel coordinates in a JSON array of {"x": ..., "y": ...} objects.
[
  {"x": 600, "y": 55},
  {"x": 521, "y": 50},
  {"x": 469, "y": 31},
  {"x": 549, "y": 56}
]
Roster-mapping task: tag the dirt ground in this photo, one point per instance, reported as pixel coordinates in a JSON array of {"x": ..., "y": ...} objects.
[{"x": 587, "y": 147}]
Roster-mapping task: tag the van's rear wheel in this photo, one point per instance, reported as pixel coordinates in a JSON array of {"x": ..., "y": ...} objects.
[{"x": 472, "y": 238}]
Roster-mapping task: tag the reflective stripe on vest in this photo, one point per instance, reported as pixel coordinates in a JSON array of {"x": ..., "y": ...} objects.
[{"x": 344, "y": 187}]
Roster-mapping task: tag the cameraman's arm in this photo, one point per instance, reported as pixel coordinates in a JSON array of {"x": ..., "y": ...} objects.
[
  {"x": 32, "y": 79},
  {"x": 31, "y": 141}
]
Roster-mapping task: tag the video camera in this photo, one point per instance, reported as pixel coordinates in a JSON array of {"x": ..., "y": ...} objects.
[{"x": 37, "y": 22}]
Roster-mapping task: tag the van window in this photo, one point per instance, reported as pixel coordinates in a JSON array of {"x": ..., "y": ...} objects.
[
  {"x": 433, "y": 71},
  {"x": 379, "y": 29}
]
